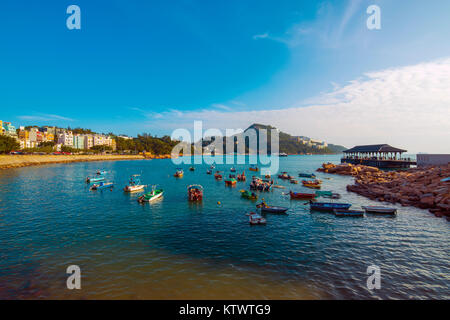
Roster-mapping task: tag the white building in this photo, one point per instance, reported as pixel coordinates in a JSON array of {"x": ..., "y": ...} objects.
[{"x": 66, "y": 138}]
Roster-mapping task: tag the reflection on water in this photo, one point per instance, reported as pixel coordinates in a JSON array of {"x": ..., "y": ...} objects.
[{"x": 171, "y": 249}]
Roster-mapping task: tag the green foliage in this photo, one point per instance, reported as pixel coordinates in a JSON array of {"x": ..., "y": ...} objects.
[
  {"x": 148, "y": 143},
  {"x": 100, "y": 148},
  {"x": 69, "y": 149},
  {"x": 8, "y": 144}
]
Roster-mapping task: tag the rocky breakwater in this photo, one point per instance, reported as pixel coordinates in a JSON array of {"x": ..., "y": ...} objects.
[{"x": 418, "y": 187}]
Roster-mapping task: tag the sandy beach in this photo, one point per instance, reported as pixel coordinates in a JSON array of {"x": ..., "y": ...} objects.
[{"x": 16, "y": 161}]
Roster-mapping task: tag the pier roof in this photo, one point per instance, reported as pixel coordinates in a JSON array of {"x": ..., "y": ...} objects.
[{"x": 374, "y": 148}]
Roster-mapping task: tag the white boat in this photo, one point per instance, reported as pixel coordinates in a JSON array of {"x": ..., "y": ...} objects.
[
  {"x": 152, "y": 195},
  {"x": 134, "y": 184},
  {"x": 379, "y": 210},
  {"x": 255, "y": 218}
]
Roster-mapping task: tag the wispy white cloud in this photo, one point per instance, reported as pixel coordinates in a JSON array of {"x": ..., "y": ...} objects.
[
  {"x": 221, "y": 106},
  {"x": 406, "y": 106},
  {"x": 44, "y": 117}
]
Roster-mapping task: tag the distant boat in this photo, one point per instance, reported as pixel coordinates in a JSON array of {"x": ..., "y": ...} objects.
[
  {"x": 152, "y": 195},
  {"x": 218, "y": 176},
  {"x": 284, "y": 176},
  {"x": 294, "y": 181},
  {"x": 230, "y": 182},
  {"x": 348, "y": 213},
  {"x": 102, "y": 185},
  {"x": 328, "y": 207},
  {"x": 307, "y": 175},
  {"x": 179, "y": 173},
  {"x": 302, "y": 196},
  {"x": 283, "y": 154},
  {"x": 101, "y": 172},
  {"x": 134, "y": 184},
  {"x": 255, "y": 219},
  {"x": 380, "y": 210},
  {"x": 249, "y": 195},
  {"x": 253, "y": 168},
  {"x": 208, "y": 171},
  {"x": 271, "y": 209},
  {"x": 328, "y": 194},
  {"x": 233, "y": 169},
  {"x": 192, "y": 169},
  {"x": 195, "y": 192},
  {"x": 97, "y": 179}
]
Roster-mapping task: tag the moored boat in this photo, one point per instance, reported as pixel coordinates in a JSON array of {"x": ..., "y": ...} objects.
[
  {"x": 312, "y": 184},
  {"x": 96, "y": 179},
  {"x": 328, "y": 194},
  {"x": 208, "y": 171},
  {"x": 179, "y": 173},
  {"x": 192, "y": 169},
  {"x": 307, "y": 175},
  {"x": 255, "y": 219},
  {"x": 348, "y": 213},
  {"x": 218, "y": 176},
  {"x": 271, "y": 209},
  {"x": 302, "y": 196},
  {"x": 253, "y": 168},
  {"x": 241, "y": 177},
  {"x": 328, "y": 206},
  {"x": 102, "y": 185},
  {"x": 195, "y": 192},
  {"x": 152, "y": 195},
  {"x": 233, "y": 169},
  {"x": 294, "y": 181},
  {"x": 230, "y": 182},
  {"x": 249, "y": 195},
  {"x": 380, "y": 210},
  {"x": 134, "y": 184},
  {"x": 101, "y": 172},
  {"x": 284, "y": 176}
]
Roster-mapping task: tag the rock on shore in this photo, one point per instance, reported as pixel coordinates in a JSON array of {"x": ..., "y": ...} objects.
[{"x": 418, "y": 187}]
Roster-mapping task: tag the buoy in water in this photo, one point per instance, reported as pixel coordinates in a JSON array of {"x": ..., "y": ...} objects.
[{"x": 218, "y": 202}]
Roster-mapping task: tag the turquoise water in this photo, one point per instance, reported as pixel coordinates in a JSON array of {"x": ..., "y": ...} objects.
[{"x": 171, "y": 249}]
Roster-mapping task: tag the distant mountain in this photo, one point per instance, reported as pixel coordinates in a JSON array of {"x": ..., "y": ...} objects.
[{"x": 287, "y": 143}]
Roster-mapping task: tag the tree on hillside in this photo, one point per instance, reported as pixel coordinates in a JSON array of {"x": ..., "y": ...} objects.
[{"x": 8, "y": 144}]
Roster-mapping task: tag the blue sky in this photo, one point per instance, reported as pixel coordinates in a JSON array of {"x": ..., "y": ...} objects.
[{"x": 149, "y": 66}]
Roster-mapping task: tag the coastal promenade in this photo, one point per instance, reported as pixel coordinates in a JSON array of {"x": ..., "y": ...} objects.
[{"x": 16, "y": 161}]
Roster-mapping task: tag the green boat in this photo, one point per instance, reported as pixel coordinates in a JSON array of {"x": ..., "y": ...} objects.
[
  {"x": 328, "y": 194},
  {"x": 248, "y": 195},
  {"x": 151, "y": 196}
]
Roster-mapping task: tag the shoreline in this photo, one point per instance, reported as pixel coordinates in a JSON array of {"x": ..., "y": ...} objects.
[
  {"x": 416, "y": 187},
  {"x": 19, "y": 161}
]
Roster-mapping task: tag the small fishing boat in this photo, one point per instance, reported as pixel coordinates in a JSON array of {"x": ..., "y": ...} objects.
[
  {"x": 254, "y": 168},
  {"x": 307, "y": 175},
  {"x": 230, "y": 182},
  {"x": 282, "y": 154},
  {"x": 233, "y": 169},
  {"x": 192, "y": 169},
  {"x": 312, "y": 184},
  {"x": 208, "y": 171},
  {"x": 348, "y": 213},
  {"x": 271, "y": 209},
  {"x": 328, "y": 207},
  {"x": 101, "y": 172},
  {"x": 179, "y": 173},
  {"x": 293, "y": 181},
  {"x": 134, "y": 184},
  {"x": 152, "y": 195},
  {"x": 218, "y": 176},
  {"x": 249, "y": 195},
  {"x": 195, "y": 192},
  {"x": 380, "y": 210},
  {"x": 241, "y": 177},
  {"x": 268, "y": 176},
  {"x": 302, "y": 196},
  {"x": 284, "y": 176},
  {"x": 328, "y": 194},
  {"x": 96, "y": 179},
  {"x": 446, "y": 179},
  {"x": 255, "y": 219},
  {"x": 232, "y": 176},
  {"x": 102, "y": 185}
]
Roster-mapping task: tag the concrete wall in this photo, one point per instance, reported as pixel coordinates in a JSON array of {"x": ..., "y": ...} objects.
[{"x": 432, "y": 159}]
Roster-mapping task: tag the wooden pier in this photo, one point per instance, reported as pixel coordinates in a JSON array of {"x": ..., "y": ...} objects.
[{"x": 381, "y": 156}]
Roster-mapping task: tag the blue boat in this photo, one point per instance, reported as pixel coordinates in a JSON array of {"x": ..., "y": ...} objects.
[
  {"x": 328, "y": 206},
  {"x": 97, "y": 179},
  {"x": 307, "y": 175},
  {"x": 102, "y": 185}
]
